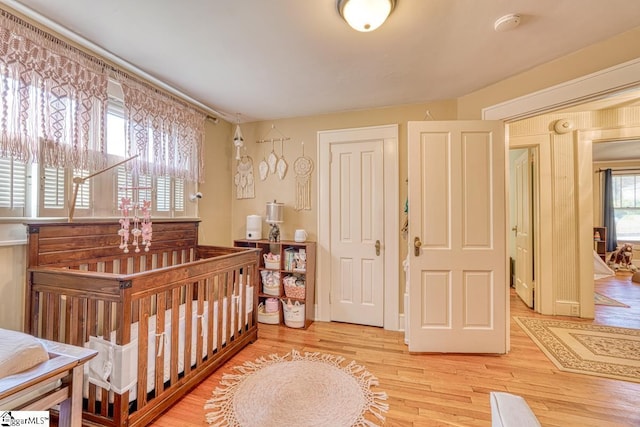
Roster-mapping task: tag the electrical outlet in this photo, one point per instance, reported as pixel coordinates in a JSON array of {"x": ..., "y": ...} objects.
[{"x": 575, "y": 310}]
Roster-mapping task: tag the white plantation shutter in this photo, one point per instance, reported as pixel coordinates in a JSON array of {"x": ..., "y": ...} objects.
[
  {"x": 167, "y": 195},
  {"x": 145, "y": 182},
  {"x": 54, "y": 188},
  {"x": 163, "y": 194},
  {"x": 124, "y": 183},
  {"x": 13, "y": 188},
  {"x": 178, "y": 196},
  {"x": 83, "y": 200}
]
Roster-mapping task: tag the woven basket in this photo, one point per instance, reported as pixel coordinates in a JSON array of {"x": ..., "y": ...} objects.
[
  {"x": 294, "y": 291},
  {"x": 271, "y": 261},
  {"x": 293, "y": 314},
  {"x": 270, "y": 318},
  {"x": 270, "y": 282}
]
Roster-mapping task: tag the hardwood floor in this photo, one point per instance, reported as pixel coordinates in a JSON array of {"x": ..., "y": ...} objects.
[{"x": 453, "y": 389}]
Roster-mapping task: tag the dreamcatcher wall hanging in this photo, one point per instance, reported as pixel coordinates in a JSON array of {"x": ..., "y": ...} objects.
[
  {"x": 303, "y": 166},
  {"x": 245, "y": 186}
]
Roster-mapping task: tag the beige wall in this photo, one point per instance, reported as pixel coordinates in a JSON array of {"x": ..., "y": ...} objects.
[
  {"x": 13, "y": 264},
  {"x": 215, "y": 208},
  {"x": 305, "y": 130}
]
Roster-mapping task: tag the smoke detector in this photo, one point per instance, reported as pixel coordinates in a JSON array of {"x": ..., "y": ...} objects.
[{"x": 507, "y": 22}]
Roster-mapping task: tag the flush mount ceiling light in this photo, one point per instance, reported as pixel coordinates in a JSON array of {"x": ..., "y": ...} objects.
[{"x": 365, "y": 15}]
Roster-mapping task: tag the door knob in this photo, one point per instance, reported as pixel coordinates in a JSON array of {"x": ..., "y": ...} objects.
[
  {"x": 378, "y": 247},
  {"x": 416, "y": 246}
]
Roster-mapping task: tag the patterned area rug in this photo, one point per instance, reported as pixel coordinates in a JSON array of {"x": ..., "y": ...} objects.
[
  {"x": 605, "y": 300},
  {"x": 583, "y": 348},
  {"x": 309, "y": 389}
]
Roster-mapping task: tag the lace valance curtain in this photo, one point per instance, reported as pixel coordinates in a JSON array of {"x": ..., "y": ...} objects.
[
  {"x": 167, "y": 135},
  {"x": 53, "y": 99},
  {"x": 53, "y": 106}
]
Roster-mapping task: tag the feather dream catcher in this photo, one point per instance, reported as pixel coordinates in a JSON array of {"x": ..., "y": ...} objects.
[
  {"x": 244, "y": 179},
  {"x": 303, "y": 166}
]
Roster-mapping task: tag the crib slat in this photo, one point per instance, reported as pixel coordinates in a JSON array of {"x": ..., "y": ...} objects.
[
  {"x": 48, "y": 316},
  {"x": 91, "y": 328},
  {"x": 228, "y": 290},
  {"x": 210, "y": 331},
  {"x": 121, "y": 408},
  {"x": 143, "y": 346},
  {"x": 73, "y": 322},
  {"x": 34, "y": 306},
  {"x": 175, "y": 307},
  {"x": 161, "y": 340},
  {"x": 104, "y": 401},
  {"x": 199, "y": 321},
  {"x": 188, "y": 309},
  {"x": 219, "y": 297}
]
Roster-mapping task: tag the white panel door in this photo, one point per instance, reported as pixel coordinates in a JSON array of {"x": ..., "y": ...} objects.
[
  {"x": 357, "y": 230},
  {"x": 524, "y": 235},
  {"x": 457, "y": 242}
]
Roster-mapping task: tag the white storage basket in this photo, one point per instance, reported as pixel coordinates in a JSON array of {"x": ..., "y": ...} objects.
[
  {"x": 271, "y": 261},
  {"x": 270, "y": 318},
  {"x": 270, "y": 282},
  {"x": 293, "y": 314}
]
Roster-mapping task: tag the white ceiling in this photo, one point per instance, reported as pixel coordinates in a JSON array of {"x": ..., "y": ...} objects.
[{"x": 287, "y": 58}]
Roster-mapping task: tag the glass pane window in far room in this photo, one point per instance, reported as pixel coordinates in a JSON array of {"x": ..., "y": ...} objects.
[{"x": 626, "y": 203}]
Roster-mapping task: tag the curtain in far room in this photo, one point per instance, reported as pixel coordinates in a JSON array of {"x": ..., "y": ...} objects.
[{"x": 609, "y": 212}]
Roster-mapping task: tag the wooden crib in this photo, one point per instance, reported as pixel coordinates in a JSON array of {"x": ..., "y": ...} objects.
[{"x": 162, "y": 320}]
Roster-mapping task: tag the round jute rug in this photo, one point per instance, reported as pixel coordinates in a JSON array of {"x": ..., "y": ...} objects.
[{"x": 302, "y": 390}]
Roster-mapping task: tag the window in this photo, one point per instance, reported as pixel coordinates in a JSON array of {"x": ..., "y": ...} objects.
[
  {"x": 13, "y": 188},
  {"x": 626, "y": 204},
  {"x": 166, "y": 193},
  {"x": 97, "y": 197},
  {"x": 53, "y": 127}
]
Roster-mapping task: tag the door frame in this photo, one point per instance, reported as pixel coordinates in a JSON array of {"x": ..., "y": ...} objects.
[
  {"x": 573, "y": 92},
  {"x": 391, "y": 244},
  {"x": 543, "y": 232},
  {"x": 525, "y": 198}
]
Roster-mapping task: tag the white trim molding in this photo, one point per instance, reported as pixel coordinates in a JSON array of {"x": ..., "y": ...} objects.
[{"x": 592, "y": 86}]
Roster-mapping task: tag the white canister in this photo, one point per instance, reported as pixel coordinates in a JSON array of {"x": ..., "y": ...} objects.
[
  {"x": 254, "y": 227},
  {"x": 300, "y": 235}
]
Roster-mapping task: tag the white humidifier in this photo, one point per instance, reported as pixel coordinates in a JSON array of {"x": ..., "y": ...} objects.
[{"x": 254, "y": 227}]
